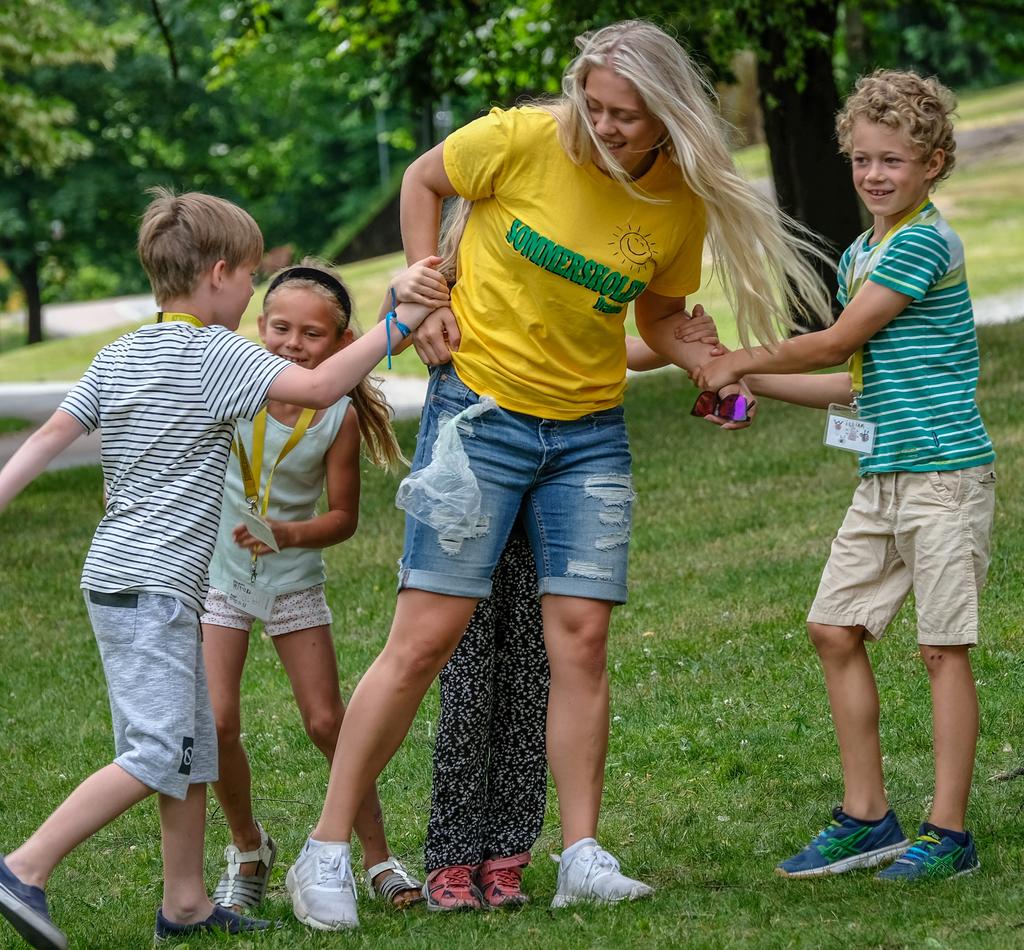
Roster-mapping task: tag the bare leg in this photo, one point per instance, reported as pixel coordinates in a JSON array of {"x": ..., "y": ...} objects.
[
  {"x": 224, "y": 653},
  {"x": 955, "y": 728},
  {"x": 853, "y": 696},
  {"x": 182, "y": 826},
  {"x": 308, "y": 658},
  {"x": 576, "y": 634},
  {"x": 94, "y": 804},
  {"x": 425, "y": 631}
]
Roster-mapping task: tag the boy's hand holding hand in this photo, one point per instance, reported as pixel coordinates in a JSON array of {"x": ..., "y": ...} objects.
[
  {"x": 422, "y": 283},
  {"x": 719, "y": 372}
]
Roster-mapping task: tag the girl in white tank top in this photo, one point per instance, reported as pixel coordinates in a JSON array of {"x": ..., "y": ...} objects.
[{"x": 268, "y": 565}]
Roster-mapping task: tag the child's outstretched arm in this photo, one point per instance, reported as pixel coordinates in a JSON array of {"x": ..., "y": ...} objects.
[
  {"x": 870, "y": 310},
  {"x": 816, "y": 391},
  {"x": 36, "y": 452},
  {"x": 341, "y": 373},
  {"x": 338, "y": 523}
]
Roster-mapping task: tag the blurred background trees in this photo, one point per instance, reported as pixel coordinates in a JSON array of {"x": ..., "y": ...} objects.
[{"x": 308, "y": 113}]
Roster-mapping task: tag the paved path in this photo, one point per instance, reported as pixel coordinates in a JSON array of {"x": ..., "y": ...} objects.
[{"x": 36, "y": 402}]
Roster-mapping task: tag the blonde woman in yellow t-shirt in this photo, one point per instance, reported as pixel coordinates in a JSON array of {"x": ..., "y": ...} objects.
[{"x": 579, "y": 207}]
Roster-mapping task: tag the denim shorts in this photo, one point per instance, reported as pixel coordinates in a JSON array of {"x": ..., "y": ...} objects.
[{"x": 571, "y": 479}]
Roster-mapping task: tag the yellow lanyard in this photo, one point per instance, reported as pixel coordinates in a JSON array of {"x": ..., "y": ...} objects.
[
  {"x": 162, "y": 317},
  {"x": 251, "y": 476},
  {"x": 857, "y": 360},
  {"x": 251, "y": 470}
]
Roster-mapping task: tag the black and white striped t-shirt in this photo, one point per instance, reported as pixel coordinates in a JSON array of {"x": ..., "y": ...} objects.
[{"x": 166, "y": 398}]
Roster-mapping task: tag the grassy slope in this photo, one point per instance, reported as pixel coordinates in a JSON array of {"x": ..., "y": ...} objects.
[{"x": 722, "y": 758}]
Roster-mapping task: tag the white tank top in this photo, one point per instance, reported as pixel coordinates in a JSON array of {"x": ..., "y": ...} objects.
[{"x": 296, "y": 489}]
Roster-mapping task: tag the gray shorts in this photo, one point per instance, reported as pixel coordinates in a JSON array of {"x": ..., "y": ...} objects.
[{"x": 164, "y": 732}]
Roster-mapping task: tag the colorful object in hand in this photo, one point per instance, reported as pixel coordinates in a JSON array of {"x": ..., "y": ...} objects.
[{"x": 733, "y": 407}]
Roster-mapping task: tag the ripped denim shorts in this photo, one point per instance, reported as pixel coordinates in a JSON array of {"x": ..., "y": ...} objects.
[{"x": 571, "y": 479}]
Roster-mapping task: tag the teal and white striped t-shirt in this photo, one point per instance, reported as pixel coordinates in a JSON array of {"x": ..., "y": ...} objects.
[{"x": 921, "y": 369}]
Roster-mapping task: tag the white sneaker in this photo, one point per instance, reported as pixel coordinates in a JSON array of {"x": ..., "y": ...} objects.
[
  {"x": 322, "y": 887},
  {"x": 592, "y": 875}
]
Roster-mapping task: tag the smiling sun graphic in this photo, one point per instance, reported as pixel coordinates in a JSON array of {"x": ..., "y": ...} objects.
[{"x": 632, "y": 247}]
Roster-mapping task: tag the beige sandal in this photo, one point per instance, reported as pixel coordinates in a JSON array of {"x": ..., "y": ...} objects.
[
  {"x": 245, "y": 891},
  {"x": 398, "y": 883}
]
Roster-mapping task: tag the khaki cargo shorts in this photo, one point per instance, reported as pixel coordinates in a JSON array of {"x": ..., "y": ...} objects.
[{"x": 923, "y": 531}]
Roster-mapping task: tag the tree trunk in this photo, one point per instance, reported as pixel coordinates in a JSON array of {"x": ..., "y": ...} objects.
[
  {"x": 28, "y": 277},
  {"x": 812, "y": 180}
]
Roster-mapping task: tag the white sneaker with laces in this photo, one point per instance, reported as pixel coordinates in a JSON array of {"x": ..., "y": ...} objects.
[
  {"x": 592, "y": 875},
  {"x": 322, "y": 887}
]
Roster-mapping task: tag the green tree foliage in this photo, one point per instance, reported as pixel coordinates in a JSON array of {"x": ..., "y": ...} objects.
[
  {"x": 969, "y": 44},
  {"x": 39, "y": 135},
  {"x": 279, "y": 140},
  {"x": 296, "y": 110},
  {"x": 35, "y": 128}
]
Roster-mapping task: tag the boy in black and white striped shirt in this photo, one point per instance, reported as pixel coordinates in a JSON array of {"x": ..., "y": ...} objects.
[{"x": 165, "y": 398}]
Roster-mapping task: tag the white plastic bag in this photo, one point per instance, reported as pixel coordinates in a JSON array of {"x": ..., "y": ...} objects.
[{"x": 445, "y": 494}]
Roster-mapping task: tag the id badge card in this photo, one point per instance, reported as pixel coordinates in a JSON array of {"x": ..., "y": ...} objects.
[
  {"x": 259, "y": 528},
  {"x": 844, "y": 429},
  {"x": 251, "y": 599}
]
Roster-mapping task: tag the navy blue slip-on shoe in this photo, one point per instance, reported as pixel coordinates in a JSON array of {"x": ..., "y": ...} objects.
[
  {"x": 847, "y": 844},
  {"x": 933, "y": 857},
  {"x": 25, "y": 907},
  {"x": 220, "y": 919}
]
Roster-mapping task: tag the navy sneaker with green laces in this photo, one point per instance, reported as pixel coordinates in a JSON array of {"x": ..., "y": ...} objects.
[
  {"x": 847, "y": 844},
  {"x": 932, "y": 857}
]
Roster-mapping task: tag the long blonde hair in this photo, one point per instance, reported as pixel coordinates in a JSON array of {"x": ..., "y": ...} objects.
[
  {"x": 372, "y": 408},
  {"x": 453, "y": 224},
  {"x": 762, "y": 254}
]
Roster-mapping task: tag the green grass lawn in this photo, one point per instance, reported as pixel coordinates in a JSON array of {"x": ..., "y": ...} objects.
[
  {"x": 722, "y": 758},
  {"x": 10, "y": 424}
]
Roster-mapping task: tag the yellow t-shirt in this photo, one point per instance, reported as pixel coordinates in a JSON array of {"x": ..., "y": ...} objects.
[{"x": 552, "y": 254}]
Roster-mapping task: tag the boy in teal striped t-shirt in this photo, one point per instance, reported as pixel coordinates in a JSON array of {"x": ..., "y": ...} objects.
[{"x": 922, "y": 514}]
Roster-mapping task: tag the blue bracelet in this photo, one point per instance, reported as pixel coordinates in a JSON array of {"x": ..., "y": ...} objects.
[{"x": 392, "y": 318}]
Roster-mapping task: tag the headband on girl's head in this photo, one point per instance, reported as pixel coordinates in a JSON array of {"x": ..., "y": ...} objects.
[{"x": 328, "y": 281}]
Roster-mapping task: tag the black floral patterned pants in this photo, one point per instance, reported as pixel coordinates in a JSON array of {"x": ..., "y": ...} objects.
[{"x": 490, "y": 766}]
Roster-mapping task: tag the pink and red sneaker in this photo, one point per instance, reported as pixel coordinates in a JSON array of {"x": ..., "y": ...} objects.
[
  {"x": 500, "y": 880},
  {"x": 452, "y": 888}
]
